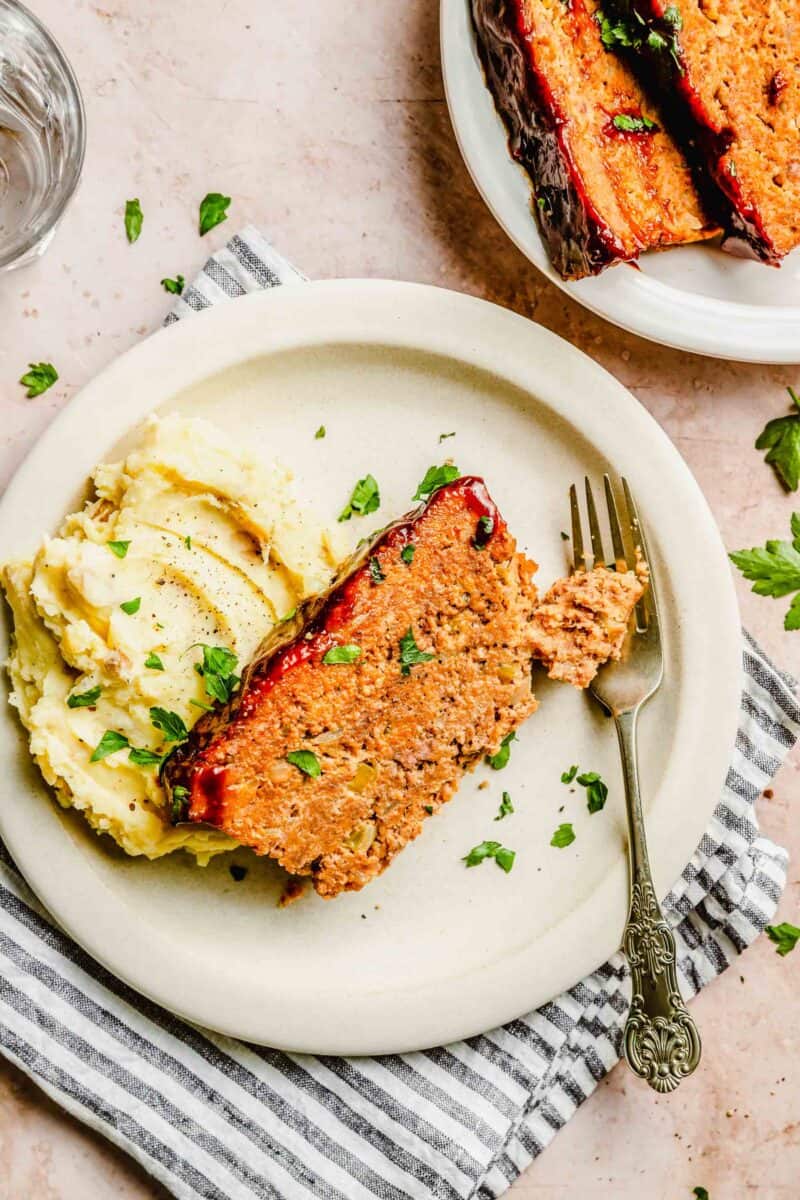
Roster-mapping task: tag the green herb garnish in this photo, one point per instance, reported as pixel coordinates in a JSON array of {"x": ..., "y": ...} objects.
[
  {"x": 785, "y": 937},
  {"x": 109, "y": 743},
  {"x": 569, "y": 775},
  {"x": 506, "y": 807},
  {"x": 375, "y": 572},
  {"x": 153, "y": 662},
  {"x": 501, "y": 855},
  {"x": 179, "y": 796},
  {"x": 187, "y": 541},
  {"x": 169, "y": 723},
  {"x": 365, "y": 498},
  {"x": 700, "y": 1193},
  {"x": 628, "y": 124},
  {"x": 217, "y": 671},
  {"x": 775, "y": 570},
  {"x": 781, "y": 439},
  {"x": 500, "y": 760},
  {"x": 341, "y": 654},
  {"x": 483, "y": 532},
  {"x": 118, "y": 548},
  {"x": 133, "y": 220},
  {"x": 410, "y": 653},
  {"x": 320, "y": 432},
  {"x": 174, "y": 286},
  {"x": 443, "y": 436},
  {"x": 145, "y": 758},
  {"x": 213, "y": 211},
  {"x": 38, "y": 378},
  {"x": 86, "y": 699},
  {"x": 596, "y": 790},
  {"x": 204, "y": 707},
  {"x": 436, "y": 477},
  {"x": 428, "y": 809},
  {"x": 305, "y": 761},
  {"x": 563, "y": 836},
  {"x": 131, "y": 607}
]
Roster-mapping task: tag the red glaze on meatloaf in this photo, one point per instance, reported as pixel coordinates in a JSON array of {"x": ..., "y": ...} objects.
[{"x": 609, "y": 180}]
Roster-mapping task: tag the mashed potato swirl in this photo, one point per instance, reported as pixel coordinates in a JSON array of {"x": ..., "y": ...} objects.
[{"x": 211, "y": 544}]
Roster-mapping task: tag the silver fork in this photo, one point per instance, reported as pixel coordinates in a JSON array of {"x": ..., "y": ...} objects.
[{"x": 661, "y": 1042}]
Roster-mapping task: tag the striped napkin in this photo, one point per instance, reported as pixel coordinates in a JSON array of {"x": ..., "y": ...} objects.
[{"x": 215, "y": 1118}]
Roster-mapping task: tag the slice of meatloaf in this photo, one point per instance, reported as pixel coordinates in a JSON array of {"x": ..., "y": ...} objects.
[
  {"x": 609, "y": 181},
  {"x": 582, "y": 621},
  {"x": 728, "y": 72}
]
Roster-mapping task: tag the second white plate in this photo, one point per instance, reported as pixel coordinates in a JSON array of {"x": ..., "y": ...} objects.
[{"x": 691, "y": 297}]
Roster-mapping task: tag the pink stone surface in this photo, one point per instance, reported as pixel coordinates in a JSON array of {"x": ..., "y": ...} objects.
[{"x": 326, "y": 124}]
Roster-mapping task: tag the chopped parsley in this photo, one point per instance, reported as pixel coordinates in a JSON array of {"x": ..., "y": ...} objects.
[
  {"x": 443, "y": 436},
  {"x": 563, "y": 836},
  {"x": 700, "y": 1193},
  {"x": 781, "y": 439},
  {"x": 305, "y": 761},
  {"x": 153, "y": 662},
  {"x": 365, "y": 498},
  {"x": 436, "y": 477},
  {"x": 145, "y": 758},
  {"x": 213, "y": 211},
  {"x": 785, "y": 937},
  {"x": 217, "y": 670},
  {"x": 174, "y": 286},
  {"x": 506, "y": 807},
  {"x": 410, "y": 653},
  {"x": 131, "y": 606},
  {"x": 341, "y": 654},
  {"x": 187, "y": 541},
  {"x": 109, "y": 743},
  {"x": 407, "y": 553},
  {"x": 501, "y": 855},
  {"x": 320, "y": 432},
  {"x": 133, "y": 220},
  {"x": 38, "y": 378},
  {"x": 169, "y": 723},
  {"x": 428, "y": 809},
  {"x": 596, "y": 791},
  {"x": 774, "y": 570},
  {"x": 629, "y": 124},
  {"x": 179, "y": 796},
  {"x": 634, "y": 32},
  {"x": 375, "y": 572},
  {"x": 483, "y": 532},
  {"x": 289, "y": 615},
  {"x": 118, "y": 548},
  {"x": 237, "y": 873},
  {"x": 732, "y": 168},
  {"x": 84, "y": 699},
  {"x": 500, "y": 760},
  {"x": 200, "y": 704},
  {"x": 568, "y": 776}
]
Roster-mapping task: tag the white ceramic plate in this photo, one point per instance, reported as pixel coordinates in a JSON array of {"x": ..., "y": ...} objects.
[
  {"x": 691, "y": 297},
  {"x": 431, "y": 951}
]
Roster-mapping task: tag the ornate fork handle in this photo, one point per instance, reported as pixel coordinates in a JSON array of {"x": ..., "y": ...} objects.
[{"x": 661, "y": 1041}]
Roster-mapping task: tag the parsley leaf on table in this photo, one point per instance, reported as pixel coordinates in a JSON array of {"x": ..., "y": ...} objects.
[
  {"x": 144, "y": 758},
  {"x": 781, "y": 439},
  {"x": 506, "y": 807},
  {"x": 407, "y": 553},
  {"x": 341, "y": 654},
  {"x": 501, "y": 855},
  {"x": 174, "y": 286},
  {"x": 133, "y": 220},
  {"x": 365, "y": 498},
  {"x": 38, "y": 378},
  {"x": 213, "y": 211},
  {"x": 563, "y": 836},
  {"x": 774, "y": 570},
  {"x": 153, "y": 662},
  {"x": 785, "y": 937}
]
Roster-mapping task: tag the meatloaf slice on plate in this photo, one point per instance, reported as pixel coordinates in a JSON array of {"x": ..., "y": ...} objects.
[
  {"x": 360, "y": 715},
  {"x": 609, "y": 180},
  {"x": 729, "y": 74}
]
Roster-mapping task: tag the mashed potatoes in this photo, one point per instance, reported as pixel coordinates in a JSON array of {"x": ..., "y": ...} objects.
[{"x": 188, "y": 542}]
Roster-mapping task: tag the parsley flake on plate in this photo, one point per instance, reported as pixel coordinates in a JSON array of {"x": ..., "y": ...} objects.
[
  {"x": 700, "y": 1193},
  {"x": 213, "y": 211},
  {"x": 174, "y": 286},
  {"x": 436, "y": 477},
  {"x": 320, "y": 432},
  {"x": 38, "y": 378},
  {"x": 501, "y": 855},
  {"x": 169, "y": 723},
  {"x": 144, "y": 758},
  {"x": 131, "y": 607},
  {"x": 407, "y": 553},
  {"x": 626, "y": 123},
  {"x": 118, "y": 548},
  {"x": 568, "y": 776},
  {"x": 506, "y": 807},
  {"x": 153, "y": 662},
  {"x": 563, "y": 836},
  {"x": 774, "y": 570},
  {"x": 365, "y": 498},
  {"x": 596, "y": 790},
  {"x": 305, "y": 761},
  {"x": 86, "y": 699},
  {"x": 109, "y": 743},
  {"x": 500, "y": 760},
  {"x": 410, "y": 653},
  {"x": 375, "y": 572},
  {"x": 781, "y": 439},
  {"x": 785, "y": 937},
  {"x": 341, "y": 654},
  {"x": 442, "y": 436},
  {"x": 133, "y": 220}
]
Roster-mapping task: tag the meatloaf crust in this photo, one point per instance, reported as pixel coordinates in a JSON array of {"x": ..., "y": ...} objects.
[
  {"x": 728, "y": 74},
  {"x": 609, "y": 180}
]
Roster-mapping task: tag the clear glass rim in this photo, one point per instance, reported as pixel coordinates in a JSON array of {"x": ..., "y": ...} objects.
[{"x": 52, "y": 215}]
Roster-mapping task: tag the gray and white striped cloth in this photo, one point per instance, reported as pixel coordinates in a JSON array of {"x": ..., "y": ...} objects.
[{"x": 215, "y": 1118}]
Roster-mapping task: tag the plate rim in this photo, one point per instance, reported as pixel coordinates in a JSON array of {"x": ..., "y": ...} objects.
[
  {"x": 680, "y": 320},
  {"x": 359, "y": 312}
]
